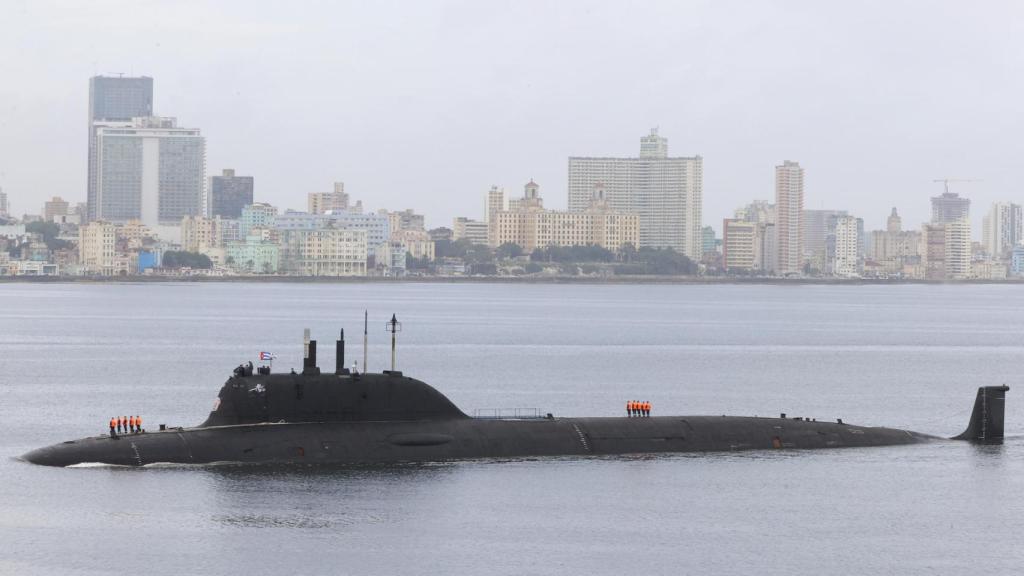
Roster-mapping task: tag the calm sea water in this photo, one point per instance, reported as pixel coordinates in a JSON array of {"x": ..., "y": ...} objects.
[{"x": 73, "y": 355}]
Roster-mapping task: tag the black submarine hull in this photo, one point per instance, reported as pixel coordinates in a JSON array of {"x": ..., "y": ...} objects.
[
  {"x": 384, "y": 442},
  {"x": 352, "y": 418}
]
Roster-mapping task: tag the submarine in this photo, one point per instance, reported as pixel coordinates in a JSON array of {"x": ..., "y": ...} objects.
[{"x": 348, "y": 417}]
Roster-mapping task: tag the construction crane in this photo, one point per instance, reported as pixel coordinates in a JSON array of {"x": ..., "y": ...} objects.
[{"x": 946, "y": 181}]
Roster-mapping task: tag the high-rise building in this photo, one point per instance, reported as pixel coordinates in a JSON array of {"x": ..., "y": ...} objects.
[
  {"x": 4, "y": 207},
  {"x": 336, "y": 201},
  {"x": 846, "y": 254},
  {"x": 1002, "y": 229},
  {"x": 54, "y": 208},
  {"x": 666, "y": 193},
  {"x": 229, "y": 193},
  {"x": 709, "y": 243},
  {"x": 950, "y": 207},
  {"x": 958, "y": 249},
  {"x": 113, "y": 99},
  {"x": 789, "y": 209},
  {"x": 148, "y": 169}
]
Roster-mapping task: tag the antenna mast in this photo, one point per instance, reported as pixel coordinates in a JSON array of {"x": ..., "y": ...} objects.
[
  {"x": 393, "y": 326},
  {"x": 366, "y": 319}
]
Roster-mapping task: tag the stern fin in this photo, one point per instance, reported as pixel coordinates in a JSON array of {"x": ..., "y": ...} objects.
[{"x": 987, "y": 418}]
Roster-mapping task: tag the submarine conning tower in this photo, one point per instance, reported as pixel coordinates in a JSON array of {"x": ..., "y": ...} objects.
[{"x": 313, "y": 396}]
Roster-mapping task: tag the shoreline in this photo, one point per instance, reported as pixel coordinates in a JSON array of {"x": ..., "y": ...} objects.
[{"x": 636, "y": 280}]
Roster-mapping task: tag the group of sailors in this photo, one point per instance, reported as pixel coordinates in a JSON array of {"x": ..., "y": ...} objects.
[
  {"x": 127, "y": 424},
  {"x": 638, "y": 409}
]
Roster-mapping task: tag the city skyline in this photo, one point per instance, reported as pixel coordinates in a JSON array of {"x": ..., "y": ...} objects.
[{"x": 721, "y": 92}]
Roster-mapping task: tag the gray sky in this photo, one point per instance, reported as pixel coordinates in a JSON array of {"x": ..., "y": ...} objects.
[{"x": 426, "y": 104}]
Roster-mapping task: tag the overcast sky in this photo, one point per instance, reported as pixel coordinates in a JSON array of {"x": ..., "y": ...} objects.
[{"x": 425, "y": 105}]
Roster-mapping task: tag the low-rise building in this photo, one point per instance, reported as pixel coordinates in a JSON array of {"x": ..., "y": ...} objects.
[
  {"x": 327, "y": 251},
  {"x": 469, "y": 229},
  {"x": 256, "y": 254}
]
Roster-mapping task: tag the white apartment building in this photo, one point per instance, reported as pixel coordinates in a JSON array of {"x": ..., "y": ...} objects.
[
  {"x": 97, "y": 248},
  {"x": 325, "y": 251},
  {"x": 845, "y": 261},
  {"x": 666, "y": 193},
  {"x": 1002, "y": 229},
  {"x": 739, "y": 245},
  {"x": 789, "y": 208}
]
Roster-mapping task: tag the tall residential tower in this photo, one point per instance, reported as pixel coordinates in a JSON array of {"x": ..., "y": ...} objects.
[{"x": 789, "y": 207}]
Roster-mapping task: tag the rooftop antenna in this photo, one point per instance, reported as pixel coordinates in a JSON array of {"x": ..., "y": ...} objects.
[
  {"x": 366, "y": 321},
  {"x": 393, "y": 326}
]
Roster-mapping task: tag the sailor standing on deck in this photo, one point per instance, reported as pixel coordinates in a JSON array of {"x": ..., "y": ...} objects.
[{"x": 113, "y": 424}]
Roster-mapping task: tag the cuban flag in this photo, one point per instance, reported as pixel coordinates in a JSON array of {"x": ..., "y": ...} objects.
[{"x": 266, "y": 356}]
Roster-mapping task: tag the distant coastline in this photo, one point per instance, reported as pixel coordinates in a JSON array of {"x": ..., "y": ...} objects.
[{"x": 557, "y": 279}]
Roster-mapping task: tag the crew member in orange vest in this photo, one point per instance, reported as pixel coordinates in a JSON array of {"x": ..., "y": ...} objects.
[
  {"x": 629, "y": 408},
  {"x": 131, "y": 423},
  {"x": 138, "y": 424},
  {"x": 647, "y": 408},
  {"x": 124, "y": 423},
  {"x": 113, "y": 424}
]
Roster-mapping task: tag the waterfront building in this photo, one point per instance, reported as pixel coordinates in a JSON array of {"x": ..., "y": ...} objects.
[
  {"x": 336, "y": 201},
  {"x": 950, "y": 207},
  {"x": 665, "y": 193},
  {"x": 255, "y": 253},
  {"x": 324, "y": 251},
  {"x": 1002, "y": 229},
  {"x": 54, "y": 209},
  {"x": 739, "y": 248},
  {"x": 148, "y": 169},
  {"x": 473, "y": 230},
  {"x": 376, "y": 226},
  {"x": 255, "y": 216},
  {"x": 229, "y": 193},
  {"x": 113, "y": 99},
  {"x": 846, "y": 256},
  {"x": 530, "y": 226},
  {"x": 789, "y": 209},
  {"x": 97, "y": 248}
]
